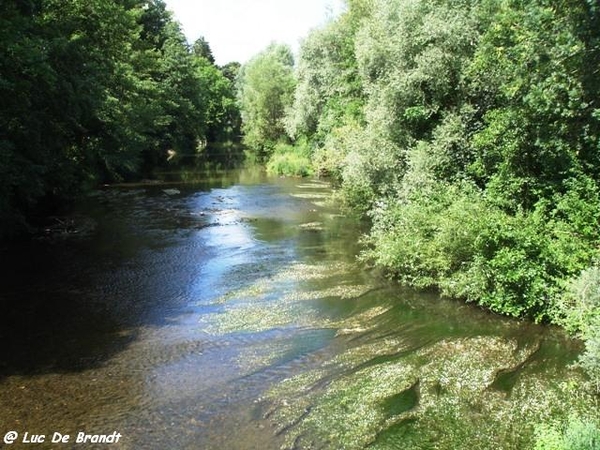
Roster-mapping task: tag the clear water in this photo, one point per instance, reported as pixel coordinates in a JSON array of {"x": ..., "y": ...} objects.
[{"x": 229, "y": 312}]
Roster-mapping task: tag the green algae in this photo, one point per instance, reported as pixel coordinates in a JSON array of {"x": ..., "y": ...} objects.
[
  {"x": 314, "y": 185},
  {"x": 312, "y": 195},
  {"x": 312, "y": 226},
  {"x": 437, "y": 397},
  {"x": 395, "y": 389},
  {"x": 401, "y": 372},
  {"x": 276, "y": 301}
]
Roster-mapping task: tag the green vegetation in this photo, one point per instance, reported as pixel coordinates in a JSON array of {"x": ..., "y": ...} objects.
[
  {"x": 468, "y": 133},
  {"x": 96, "y": 91},
  {"x": 290, "y": 160},
  {"x": 580, "y": 309},
  {"x": 576, "y": 434},
  {"x": 265, "y": 87}
]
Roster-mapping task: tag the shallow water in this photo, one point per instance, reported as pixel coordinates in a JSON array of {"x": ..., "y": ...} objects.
[{"x": 229, "y": 312}]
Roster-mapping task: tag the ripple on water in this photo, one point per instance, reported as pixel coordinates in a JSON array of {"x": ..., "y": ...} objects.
[
  {"x": 236, "y": 317},
  {"x": 436, "y": 395}
]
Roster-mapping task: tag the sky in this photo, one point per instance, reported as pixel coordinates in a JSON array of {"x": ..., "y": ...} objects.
[{"x": 236, "y": 30}]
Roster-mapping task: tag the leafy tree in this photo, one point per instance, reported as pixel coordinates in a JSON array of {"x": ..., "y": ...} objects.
[
  {"x": 171, "y": 88},
  {"x": 539, "y": 128},
  {"x": 231, "y": 70},
  {"x": 94, "y": 91},
  {"x": 58, "y": 61},
  {"x": 329, "y": 90},
  {"x": 265, "y": 88},
  {"x": 202, "y": 48},
  {"x": 222, "y": 117},
  {"x": 154, "y": 19}
]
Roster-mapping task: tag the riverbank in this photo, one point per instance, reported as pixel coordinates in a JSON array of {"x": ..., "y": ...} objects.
[{"x": 234, "y": 314}]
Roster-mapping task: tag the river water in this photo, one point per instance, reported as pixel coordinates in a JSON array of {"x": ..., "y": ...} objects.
[{"x": 229, "y": 312}]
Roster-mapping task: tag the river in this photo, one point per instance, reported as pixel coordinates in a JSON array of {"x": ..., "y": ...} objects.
[{"x": 230, "y": 312}]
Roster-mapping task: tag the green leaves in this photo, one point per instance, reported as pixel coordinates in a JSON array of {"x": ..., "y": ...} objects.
[
  {"x": 266, "y": 85},
  {"x": 329, "y": 91},
  {"x": 96, "y": 91},
  {"x": 574, "y": 434},
  {"x": 527, "y": 78},
  {"x": 579, "y": 312}
]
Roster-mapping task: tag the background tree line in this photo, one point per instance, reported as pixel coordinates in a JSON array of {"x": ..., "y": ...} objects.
[
  {"x": 96, "y": 91},
  {"x": 468, "y": 133}
]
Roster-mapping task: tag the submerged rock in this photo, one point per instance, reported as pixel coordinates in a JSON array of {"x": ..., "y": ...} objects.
[{"x": 59, "y": 228}]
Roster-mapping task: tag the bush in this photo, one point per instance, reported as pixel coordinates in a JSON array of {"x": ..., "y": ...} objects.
[
  {"x": 580, "y": 307},
  {"x": 576, "y": 434},
  {"x": 450, "y": 236},
  {"x": 429, "y": 238},
  {"x": 580, "y": 311},
  {"x": 368, "y": 175},
  {"x": 329, "y": 159},
  {"x": 289, "y": 160},
  {"x": 590, "y": 360}
]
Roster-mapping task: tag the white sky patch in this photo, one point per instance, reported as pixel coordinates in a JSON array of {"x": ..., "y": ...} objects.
[{"x": 238, "y": 29}]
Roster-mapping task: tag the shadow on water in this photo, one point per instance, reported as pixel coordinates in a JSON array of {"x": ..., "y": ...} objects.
[
  {"x": 402, "y": 402},
  {"x": 70, "y": 303},
  {"x": 203, "y": 308},
  {"x": 53, "y": 317}
]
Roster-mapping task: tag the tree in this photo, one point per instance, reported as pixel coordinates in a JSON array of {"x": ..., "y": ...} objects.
[
  {"x": 266, "y": 85},
  {"x": 329, "y": 90},
  {"x": 95, "y": 91},
  {"x": 202, "y": 49},
  {"x": 61, "y": 65},
  {"x": 231, "y": 70},
  {"x": 222, "y": 117},
  {"x": 532, "y": 77}
]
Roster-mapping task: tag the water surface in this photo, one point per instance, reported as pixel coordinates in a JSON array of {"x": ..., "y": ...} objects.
[{"x": 229, "y": 312}]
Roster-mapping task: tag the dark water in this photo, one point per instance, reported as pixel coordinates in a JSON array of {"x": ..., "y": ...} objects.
[{"x": 230, "y": 313}]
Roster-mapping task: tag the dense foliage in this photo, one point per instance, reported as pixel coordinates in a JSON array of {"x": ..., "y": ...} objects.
[
  {"x": 468, "y": 132},
  {"x": 575, "y": 434},
  {"x": 96, "y": 91},
  {"x": 265, "y": 87}
]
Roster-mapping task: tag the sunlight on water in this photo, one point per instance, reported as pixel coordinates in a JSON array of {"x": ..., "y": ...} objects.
[{"x": 232, "y": 314}]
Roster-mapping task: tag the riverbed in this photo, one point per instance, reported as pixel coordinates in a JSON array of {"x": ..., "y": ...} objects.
[{"x": 228, "y": 311}]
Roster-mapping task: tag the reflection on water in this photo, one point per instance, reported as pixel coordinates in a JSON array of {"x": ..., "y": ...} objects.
[{"x": 228, "y": 312}]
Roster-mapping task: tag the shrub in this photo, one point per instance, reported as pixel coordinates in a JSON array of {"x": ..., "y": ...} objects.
[
  {"x": 429, "y": 238},
  {"x": 590, "y": 360},
  {"x": 289, "y": 160},
  {"x": 450, "y": 236},
  {"x": 369, "y": 174},
  {"x": 580, "y": 307},
  {"x": 575, "y": 434},
  {"x": 329, "y": 159},
  {"x": 580, "y": 311}
]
